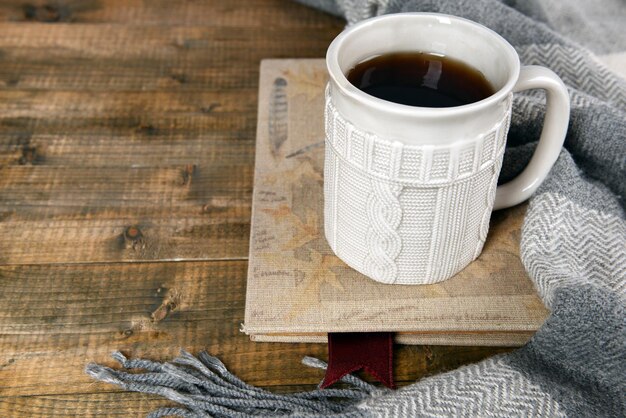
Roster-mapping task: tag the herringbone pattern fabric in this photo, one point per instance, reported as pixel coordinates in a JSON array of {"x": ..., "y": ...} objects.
[
  {"x": 577, "y": 69},
  {"x": 564, "y": 244},
  {"x": 470, "y": 391}
]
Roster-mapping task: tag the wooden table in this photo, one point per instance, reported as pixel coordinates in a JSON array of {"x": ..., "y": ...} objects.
[{"x": 127, "y": 134}]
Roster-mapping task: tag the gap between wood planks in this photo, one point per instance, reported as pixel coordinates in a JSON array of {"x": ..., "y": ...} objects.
[{"x": 109, "y": 263}]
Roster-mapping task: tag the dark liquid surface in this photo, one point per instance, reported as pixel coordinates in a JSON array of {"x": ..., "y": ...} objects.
[{"x": 420, "y": 79}]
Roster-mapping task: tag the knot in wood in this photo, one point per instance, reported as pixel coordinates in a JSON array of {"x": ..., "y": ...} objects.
[
  {"x": 171, "y": 302},
  {"x": 210, "y": 108},
  {"x": 148, "y": 129},
  {"x": 132, "y": 233},
  {"x": 188, "y": 173},
  {"x": 179, "y": 77},
  {"x": 46, "y": 13},
  {"x": 29, "y": 155}
]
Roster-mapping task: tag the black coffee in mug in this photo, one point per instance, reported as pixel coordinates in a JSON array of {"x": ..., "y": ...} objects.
[{"x": 420, "y": 79}]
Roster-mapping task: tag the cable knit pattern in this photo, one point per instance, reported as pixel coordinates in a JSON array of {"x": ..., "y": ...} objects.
[
  {"x": 384, "y": 213},
  {"x": 387, "y": 205}
]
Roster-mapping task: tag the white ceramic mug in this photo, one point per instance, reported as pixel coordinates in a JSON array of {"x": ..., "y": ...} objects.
[{"x": 408, "y": 191}]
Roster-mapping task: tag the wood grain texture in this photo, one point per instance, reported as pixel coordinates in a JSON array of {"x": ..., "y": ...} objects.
[
  {"x": 233, "y": 13},
  {"x": 86, "y": 405},
  {"x": 82, "y": 214},
  {"x": 110, "y": 56},
  {"x": 126, "y": 147},
  {"x": 129, "y": 129}
]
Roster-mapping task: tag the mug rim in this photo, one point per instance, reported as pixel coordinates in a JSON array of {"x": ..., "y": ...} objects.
[{"x": 340, "y": 79}]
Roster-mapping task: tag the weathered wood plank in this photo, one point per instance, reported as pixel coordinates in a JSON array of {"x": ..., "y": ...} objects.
[
  {"x": 180, "y": 89},
  {"x": 217, "y": 13},
  {"x": 83, "y": 56},
  {"x": 123, "y": 186},
  {"x": 102, "y": 404},
  {"x": 158, "y": 41},
  {"x": 87, "y": 104},
  {"x": 56, "y": 319},
  {"x": 125, "y": 129},
  {"x": 139, "y": 126},
  {"x": 163, "y": 148},
  {"x": 62, "y": 214}
]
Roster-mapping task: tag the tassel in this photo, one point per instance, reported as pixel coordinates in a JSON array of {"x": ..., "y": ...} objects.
[{"x": 205, "y": 388}]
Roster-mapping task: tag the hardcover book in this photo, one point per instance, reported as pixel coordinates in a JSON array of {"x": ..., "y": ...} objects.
[{"x": 298, "y": 290}]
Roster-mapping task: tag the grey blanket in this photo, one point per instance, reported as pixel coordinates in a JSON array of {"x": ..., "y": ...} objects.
[{"x": 573, "y": 246}]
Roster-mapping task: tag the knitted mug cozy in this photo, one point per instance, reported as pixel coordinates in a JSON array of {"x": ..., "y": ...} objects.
[{"x": 408, "y": 214}]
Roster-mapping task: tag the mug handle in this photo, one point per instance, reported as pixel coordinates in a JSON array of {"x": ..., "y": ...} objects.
[{"x": 550, "y": 142}]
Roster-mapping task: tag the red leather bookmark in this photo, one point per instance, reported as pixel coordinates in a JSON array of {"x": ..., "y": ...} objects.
[{"x": 352, "y": 351}]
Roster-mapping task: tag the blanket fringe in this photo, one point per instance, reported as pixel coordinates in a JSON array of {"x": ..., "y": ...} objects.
[{"x": 205, "y": 388}]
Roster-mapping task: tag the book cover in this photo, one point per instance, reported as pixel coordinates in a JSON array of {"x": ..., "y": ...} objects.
[{"x": 298, "y": 290}]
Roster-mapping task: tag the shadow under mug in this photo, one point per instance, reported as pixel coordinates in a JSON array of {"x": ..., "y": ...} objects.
[{"x": 408, "y": 191}]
